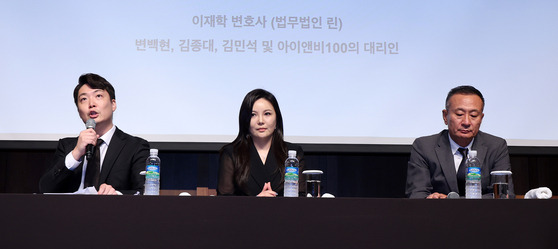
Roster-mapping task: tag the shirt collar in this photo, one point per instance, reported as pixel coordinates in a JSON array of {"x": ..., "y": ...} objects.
[
  {"x": 108, "y": 136},
  {"x": 454, "y": 146}
]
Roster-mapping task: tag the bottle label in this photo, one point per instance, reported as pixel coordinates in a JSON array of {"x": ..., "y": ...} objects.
[
  {"x": 291, "y": 174},
  {"x": 473, "y": 173},
  {"x": 152, "y": 172}
]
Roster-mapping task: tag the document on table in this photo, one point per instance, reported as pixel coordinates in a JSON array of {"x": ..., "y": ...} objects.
[{"x": 85, "y": 191}]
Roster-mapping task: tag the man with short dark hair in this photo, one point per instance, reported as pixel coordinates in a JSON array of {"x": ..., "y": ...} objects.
[
  {"x": 433, "y": 169},
  {"x": 117, "y": 159}
]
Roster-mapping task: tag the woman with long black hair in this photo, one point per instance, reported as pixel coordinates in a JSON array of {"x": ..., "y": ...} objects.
[{"x": 252, "y": 164}]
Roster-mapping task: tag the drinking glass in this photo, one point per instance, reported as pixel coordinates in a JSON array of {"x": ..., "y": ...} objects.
[
  {"x": 500, "y": 183},
  {"x": 313, "y": 182}
]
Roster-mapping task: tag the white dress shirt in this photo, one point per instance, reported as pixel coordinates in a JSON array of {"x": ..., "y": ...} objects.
[{"x": 457, "y": 156}]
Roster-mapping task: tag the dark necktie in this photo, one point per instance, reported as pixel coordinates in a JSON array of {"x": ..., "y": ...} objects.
[
  {"x": 462, "y": 171},
  {"x": 93, "y": 168}
]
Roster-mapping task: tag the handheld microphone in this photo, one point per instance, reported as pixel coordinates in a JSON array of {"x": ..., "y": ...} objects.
[
  {"x": 89, "y": 149},
  {"x": 453, "y": 195}
]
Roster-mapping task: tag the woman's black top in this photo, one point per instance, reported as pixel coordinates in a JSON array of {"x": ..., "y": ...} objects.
[{"x": 260, "y": 172}]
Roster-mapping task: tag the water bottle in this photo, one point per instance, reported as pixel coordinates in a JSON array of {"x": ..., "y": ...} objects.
[
  {"x": 152, "y": 173},
  {"x": 291, "y": 175},
  {"x": 473, "y": 189}
]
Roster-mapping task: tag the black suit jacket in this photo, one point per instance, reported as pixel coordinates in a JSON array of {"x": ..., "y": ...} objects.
[
  {"x": 124, "y": 160},
  {"x": 431, "y": 167}
]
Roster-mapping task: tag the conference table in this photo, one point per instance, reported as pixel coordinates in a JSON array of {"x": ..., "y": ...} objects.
[{"x": 87, "y": 221}]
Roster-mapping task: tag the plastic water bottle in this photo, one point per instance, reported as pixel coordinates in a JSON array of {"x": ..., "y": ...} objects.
[
  {"x": 291, "y": 175},
  {"x": 152, "y": 173},
  {"x": 473, "y": 188}
]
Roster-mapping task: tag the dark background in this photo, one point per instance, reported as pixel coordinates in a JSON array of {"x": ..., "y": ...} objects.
[{"x": 349, "y": 170}]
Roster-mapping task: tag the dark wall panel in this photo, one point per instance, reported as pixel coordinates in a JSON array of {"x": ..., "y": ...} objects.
[{"x": 346, "y": 174}]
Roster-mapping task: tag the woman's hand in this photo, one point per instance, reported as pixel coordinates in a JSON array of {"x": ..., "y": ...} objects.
[{"x": 267, "y": 191}]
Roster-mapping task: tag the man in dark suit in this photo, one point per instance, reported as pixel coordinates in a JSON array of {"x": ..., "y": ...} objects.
[
  {"x": 118, "y": 158},
  {"x": 433, "y": 169}
]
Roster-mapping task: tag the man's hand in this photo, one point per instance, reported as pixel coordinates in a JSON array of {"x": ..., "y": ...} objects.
[
  {"x": 437, "y": 196},
  {"x": 106, "y": 189},
  {"x": 86, "y": 137}
]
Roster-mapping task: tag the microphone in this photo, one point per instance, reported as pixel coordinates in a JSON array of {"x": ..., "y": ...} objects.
[
  {"x": 453, "y": 195},
  {"x": 89, "y": 149}
]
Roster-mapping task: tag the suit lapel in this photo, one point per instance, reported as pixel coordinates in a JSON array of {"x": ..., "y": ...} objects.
[
  {"x": 480, "y": 147},
  {"x": 445, "y": 159},
  {"x": 116, "y": 145}
]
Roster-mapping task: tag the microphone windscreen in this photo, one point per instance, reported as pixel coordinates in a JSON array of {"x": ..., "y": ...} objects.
[
  {"x": 90, "y": 124},
  {"x": 453, "y": 195}
]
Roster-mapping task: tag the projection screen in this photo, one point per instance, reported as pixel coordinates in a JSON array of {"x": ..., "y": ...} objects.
[{"x": 344, "y": 72}]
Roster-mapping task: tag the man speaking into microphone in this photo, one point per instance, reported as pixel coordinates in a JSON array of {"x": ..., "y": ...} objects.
[{"x": 102, "y": 156}]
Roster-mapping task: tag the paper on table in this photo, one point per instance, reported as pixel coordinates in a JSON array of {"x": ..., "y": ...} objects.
[{"x": 85, "y": 191}]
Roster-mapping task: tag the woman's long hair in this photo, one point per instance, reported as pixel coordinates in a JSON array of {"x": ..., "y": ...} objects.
[{"x": 242, "y": 143}]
